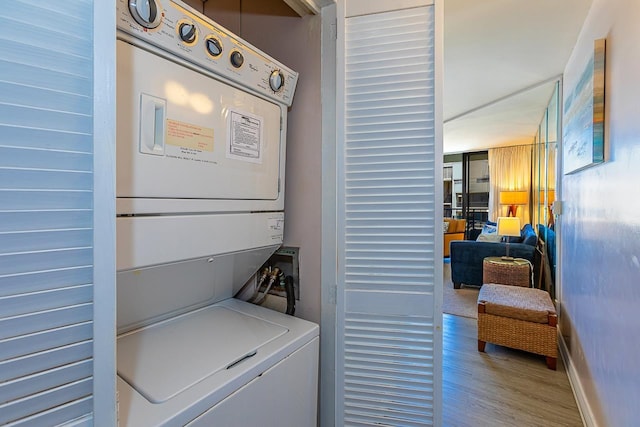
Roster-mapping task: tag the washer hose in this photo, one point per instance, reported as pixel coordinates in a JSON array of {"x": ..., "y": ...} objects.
[
  {"x": 273, "y": 276},
  {"x": 291, "y": 296}
]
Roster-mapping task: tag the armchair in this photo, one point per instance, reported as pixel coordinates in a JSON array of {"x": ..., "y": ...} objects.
[{"x": 455, "y": 231}]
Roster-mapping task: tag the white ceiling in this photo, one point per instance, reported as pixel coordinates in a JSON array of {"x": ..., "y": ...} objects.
[
  {"x": 501, "y": 58},
  {"x": 305, "y": 7},
  {"x": 501, "y": 61}
]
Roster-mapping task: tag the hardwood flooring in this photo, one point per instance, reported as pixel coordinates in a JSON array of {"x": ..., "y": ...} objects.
[{"x": 502, "y": 387}]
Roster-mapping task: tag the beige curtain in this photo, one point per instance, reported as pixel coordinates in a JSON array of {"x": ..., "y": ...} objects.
[{"x": 509, "y": 169}]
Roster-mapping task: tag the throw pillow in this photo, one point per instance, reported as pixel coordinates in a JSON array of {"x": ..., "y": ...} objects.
[
  {"x": 445, "y": 226},
  {"x": 489, "y": 237},
  {"x": 489, "y": 228}
]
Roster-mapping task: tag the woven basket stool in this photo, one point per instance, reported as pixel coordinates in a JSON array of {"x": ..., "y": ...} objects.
[
  {"x": 516, "y": 272},
  {"x": 520, "y": 318}
]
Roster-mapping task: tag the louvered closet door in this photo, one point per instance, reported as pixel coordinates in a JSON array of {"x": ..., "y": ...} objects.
[
  {"x": 46, "y": 216},
  {"x": 388, "y": 351}
]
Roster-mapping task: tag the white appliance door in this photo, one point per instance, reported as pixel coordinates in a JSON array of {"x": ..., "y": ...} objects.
[
  {"x": 183, "y": 134},
  {"x": 284, "y": 395},
  {"x": 206, "y": 364},
  {"x": 165, "y": 359}
]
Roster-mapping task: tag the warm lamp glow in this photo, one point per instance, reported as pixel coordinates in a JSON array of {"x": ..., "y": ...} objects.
[
  {"x": 551, "y": 196},
  {"x": 508, "y": 226},
  {"x": 513, "y": 199}
]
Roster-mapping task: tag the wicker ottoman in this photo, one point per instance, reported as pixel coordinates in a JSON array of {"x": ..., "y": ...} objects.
[{"x": 520, "y": 318}]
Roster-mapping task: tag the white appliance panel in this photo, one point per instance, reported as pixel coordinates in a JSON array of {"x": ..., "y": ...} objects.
[
  {"x": 258, "y": 71},
  {"x": 200, "y": 347},
  {"x": 151, "y": 240},
  {"x": 183, "y": 134},
  {"x": 152, "y": 294},
  {"x": 285, "y": 395},
  {"x": 136, "y": 410}
]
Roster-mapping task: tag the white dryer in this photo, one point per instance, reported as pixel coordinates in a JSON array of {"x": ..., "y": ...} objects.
[{"x": 201, "y": 127}]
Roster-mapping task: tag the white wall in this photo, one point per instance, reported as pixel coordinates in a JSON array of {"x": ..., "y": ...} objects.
[
  {"x": 600, "y": 226},
  {"x": 273, "y": 27}
]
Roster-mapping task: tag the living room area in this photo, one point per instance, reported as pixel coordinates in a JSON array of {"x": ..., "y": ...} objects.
[
  {"x": 499, "y": 251},
  {"x": 502, "y": 127},
  {"x": 500, "y": 182},
  {"x": 499, "y": 203}
]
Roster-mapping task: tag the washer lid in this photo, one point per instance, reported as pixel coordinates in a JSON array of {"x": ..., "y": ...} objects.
[{"x": 164, "y": 359}]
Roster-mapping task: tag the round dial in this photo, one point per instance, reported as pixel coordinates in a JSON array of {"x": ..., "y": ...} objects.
[
  {"x": 214, "y": 47},
  {"x": 147, "y": 13},
  {"x": 187, "y": 32},
  {"x": 236, "y": 59},
  {"x": 276, "y": 80}
]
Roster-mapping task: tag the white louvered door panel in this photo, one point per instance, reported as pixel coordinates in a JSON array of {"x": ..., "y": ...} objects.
[
  {"x": 46, "y": 211},
  {"x": 388, "y": 347}
]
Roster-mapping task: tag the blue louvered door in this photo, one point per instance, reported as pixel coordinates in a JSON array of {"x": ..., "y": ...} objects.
[{"x": 47, "y": 213}]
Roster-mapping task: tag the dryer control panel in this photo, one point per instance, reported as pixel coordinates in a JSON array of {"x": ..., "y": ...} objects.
[{"x": 180, "y": 30}]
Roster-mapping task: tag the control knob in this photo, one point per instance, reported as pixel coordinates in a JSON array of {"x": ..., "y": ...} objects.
[
  {"x": 276, "y": 80},
  {"x": 187, "y": 32},
  {"x": 236, "y": 59},
  {"x": 147, "y": 13},
  {"x": 214, "y": 47}
]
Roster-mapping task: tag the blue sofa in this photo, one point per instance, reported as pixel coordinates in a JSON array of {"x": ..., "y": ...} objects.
[{"x": 467, "y": 255}]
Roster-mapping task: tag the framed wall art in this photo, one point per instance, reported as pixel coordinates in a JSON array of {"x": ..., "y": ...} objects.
[{"x": 583, "y": 115}]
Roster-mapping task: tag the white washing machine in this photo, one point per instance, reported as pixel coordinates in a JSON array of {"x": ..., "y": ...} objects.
[{"x": 201, "y": 126}]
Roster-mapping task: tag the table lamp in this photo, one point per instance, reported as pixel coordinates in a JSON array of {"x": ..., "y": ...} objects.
[
  {"x": 513, "y": 199},
  {"x": 508, "y": 226}
]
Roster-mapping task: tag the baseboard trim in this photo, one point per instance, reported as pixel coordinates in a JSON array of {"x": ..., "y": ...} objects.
[{"x": 576, "y": 386}]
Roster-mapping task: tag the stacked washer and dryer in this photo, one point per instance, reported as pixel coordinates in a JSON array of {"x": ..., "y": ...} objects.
[{"x": 201, "y": 126}]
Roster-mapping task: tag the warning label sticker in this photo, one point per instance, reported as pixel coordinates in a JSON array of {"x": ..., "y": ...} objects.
[
  {"x": 187, "y": 141},
  {"x": 245, "y": 137},
  {"x": 276, "y": 226}
]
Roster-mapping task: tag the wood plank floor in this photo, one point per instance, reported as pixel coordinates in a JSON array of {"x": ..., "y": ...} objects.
[{"x": 502, "y": 387}]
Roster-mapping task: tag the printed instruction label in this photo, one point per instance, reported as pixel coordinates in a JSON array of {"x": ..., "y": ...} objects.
[
  {"x": 276, "y": 227},
  {"x": 186, "y": 141},
  {"x": 245, "y": 137}
]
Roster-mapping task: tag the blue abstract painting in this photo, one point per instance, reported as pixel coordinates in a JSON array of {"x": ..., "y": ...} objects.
[{"x": 583, "y": 116}]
